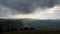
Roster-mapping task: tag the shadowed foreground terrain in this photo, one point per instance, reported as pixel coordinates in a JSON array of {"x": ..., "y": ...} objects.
[
  {"x": 34, "y": 32},
  {"x": 15, "y": 26}
]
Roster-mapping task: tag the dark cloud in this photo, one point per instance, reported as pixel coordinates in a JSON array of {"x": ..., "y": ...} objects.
[
  {"x": 27, "y": 6},
  {"x": 47, "y": 3}
]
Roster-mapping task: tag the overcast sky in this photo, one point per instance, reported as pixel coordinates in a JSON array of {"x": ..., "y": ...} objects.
[{"x": 34, "y": 9}]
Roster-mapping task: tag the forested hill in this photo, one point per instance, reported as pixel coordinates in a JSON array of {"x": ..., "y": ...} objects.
[{"x": 37, "y": 24}]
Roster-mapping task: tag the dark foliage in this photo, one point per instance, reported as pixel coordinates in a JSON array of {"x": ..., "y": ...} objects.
[
  {"x": 21, "y": 29},
  {"x": 26, "y": 28},
  {"x": 1, "y": 30},
  {"x": 13, "y": 29},
  {"x": 32, "y": 28},
  {"x": 7, "y": 30},
  {"x": 10, "y": 25}
]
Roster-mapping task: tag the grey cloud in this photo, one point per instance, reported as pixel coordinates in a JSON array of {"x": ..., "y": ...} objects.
[
  {"x": 13, "y": 7},
  {"x": 27, "y": 6},
  {"x": 5, "y": 12}
]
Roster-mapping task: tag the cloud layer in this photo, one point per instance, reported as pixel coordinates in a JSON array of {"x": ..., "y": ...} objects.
[{"x": 27, "y": 8}]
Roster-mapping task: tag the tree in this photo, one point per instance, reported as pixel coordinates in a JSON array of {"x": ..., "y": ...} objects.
[
  {"x": 25, "y": 28},
  {"x": 7, "y": 30},
  {"x": 12, "y": 29},
  {"x": 21, "y": 29},
  {"x": 32, "y": 28},
  {"x": 1, "y": 30},
  {"x": 15, "y": 29}
]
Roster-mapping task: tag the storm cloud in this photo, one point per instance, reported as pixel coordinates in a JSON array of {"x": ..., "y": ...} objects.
[
  {"x": 27, "y": 6},
  {"x": 13, "y": 7}
]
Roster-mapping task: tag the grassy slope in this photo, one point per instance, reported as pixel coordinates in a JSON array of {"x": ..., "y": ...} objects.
[{"x": 34, "y": 32}]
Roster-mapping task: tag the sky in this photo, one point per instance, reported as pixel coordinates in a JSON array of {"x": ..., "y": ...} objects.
[{"x": 33, "y": 9}]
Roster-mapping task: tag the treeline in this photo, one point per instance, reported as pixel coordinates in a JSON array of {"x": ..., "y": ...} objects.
[
  {"x": 15, "y": 29},
  {"x": 12, "y": 25}
]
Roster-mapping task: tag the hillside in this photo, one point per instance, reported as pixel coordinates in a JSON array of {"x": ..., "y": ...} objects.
[
  {"x": 34, "y": 23},
  {"x": 43, "y": 24},
  {"x": 33, "y": 32}
]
